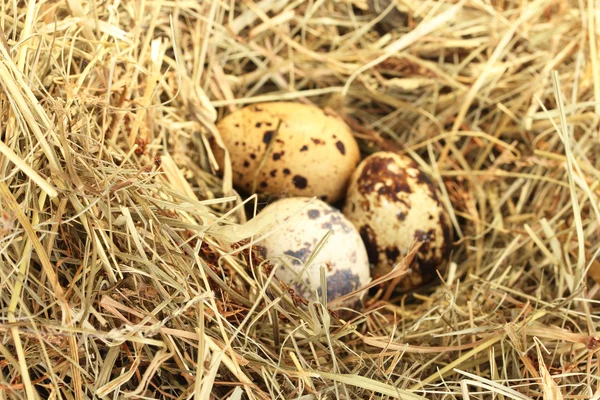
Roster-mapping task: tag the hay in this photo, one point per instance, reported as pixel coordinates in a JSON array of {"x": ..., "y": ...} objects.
[{"x": 125, "y": 268}]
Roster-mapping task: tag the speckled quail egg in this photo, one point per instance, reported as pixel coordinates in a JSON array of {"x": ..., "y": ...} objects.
[
  {"x": 304, "y": 223},
  {"x": 393, "y": 204},
  {"x": 288, "y": 149}
]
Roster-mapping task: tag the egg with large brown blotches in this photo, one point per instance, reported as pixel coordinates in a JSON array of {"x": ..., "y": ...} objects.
[
  {"x": 303, "y": 224},
  {"x": 287, "y": 149},
  {"x": 393, "y": 205}
]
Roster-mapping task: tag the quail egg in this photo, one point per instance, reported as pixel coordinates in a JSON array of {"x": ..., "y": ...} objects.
[
  {"x": 304, "y": 223},
  {"x": 393, "y": 204},
  {"x": 287, "y": 149}
]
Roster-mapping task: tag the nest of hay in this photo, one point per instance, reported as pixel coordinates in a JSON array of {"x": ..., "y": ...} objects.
[{"x": 126, "y": 266}]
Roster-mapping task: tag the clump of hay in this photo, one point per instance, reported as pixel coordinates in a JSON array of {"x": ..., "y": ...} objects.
[{"x": 127, "y": 269}]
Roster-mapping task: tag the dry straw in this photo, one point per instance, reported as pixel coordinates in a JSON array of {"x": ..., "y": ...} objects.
[{"x": 126, "y": 269}]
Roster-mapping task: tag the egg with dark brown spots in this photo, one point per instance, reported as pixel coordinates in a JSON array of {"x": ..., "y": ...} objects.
[
  {"x": 303, "y": 224},
  {"x": 288, "y": 149},
  {"x": 393, "y": 205}
]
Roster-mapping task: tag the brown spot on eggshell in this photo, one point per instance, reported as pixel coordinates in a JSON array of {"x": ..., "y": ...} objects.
[
  {"x": 447, "y": 232},
  {"x": 424, "y": 270},
  {"x": 340, "y": 146},
  {"x": 341, "y": 282},
  {"x": 392, "y": 253},
  {"x": 370, "y": 240},
  {"x": 246, "y": 163},
  {"x": 277, "y": 156},
  {"x": 426, "y": 251},
  {"x": 379, "y": 176},
  {"x": 273, "y": 173},
  {"x": 299, "y": 256},
  {"x": 335, "y": 222},
  {"x": 317, "y": 141},
  {"x": 365, "y": 205},
  {"x": 258, "y": 124},
  {"x": 264, "y": 184},
  {"x": 268, "y": 136},
  {"x": 299, "y": 181},
  {"x": 286, "y": 171},
  {"x": 423, "y": 236},
  {"x": 426, "y": 262},
  {"x": 426, "y": 183},
  {"x": 428, "y": 269},
  {"x": 304, "y": 148},
  {"x": 313, "y": 214},
  {"x": 253, "y": 156},
  {"x": 422, "y": 178}
]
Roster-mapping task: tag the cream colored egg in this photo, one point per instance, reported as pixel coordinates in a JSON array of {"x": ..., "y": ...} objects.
[
  {"x": 289, "y": 149},
  {"x": 393, "y": 204},
  {"x": 304, "y": 223}
]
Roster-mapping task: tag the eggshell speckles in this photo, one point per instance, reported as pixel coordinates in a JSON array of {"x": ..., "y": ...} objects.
[
  {"x": 392, "y": 204},
  {"x": 289, "y": 149},
  {"x": 304, "y": 225}
]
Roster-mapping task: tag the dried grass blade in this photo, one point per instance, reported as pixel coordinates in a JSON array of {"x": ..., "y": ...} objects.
[
  {"x": 495, "y": 387},
  {"x": 566, "y": 139},
  {"x": 159, "y": 358},
  {"x": 14, "y": 88},
  {"x": 534, "y": 8},
  {"x": 27, "y": 170},
  {"x": 7, "y": 196},
  {"x": 406, "y": 40},
  {"x": 371, "y": 385},
  {"x": 550, "y": 389},
  {"x": 113, "y": 385}
]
